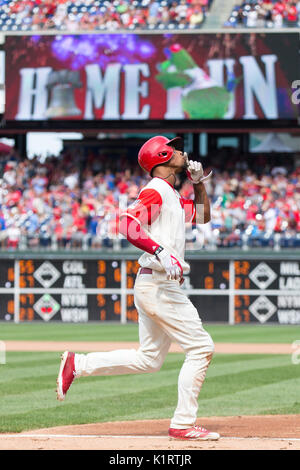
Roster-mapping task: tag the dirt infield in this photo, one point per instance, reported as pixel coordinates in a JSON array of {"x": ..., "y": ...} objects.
[
  {"x": 78, "y": 346},
  {"x": 237, "y": 433},
  {"x": 280, "y": 432}
]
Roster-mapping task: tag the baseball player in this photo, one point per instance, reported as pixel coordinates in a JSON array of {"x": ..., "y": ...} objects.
[{"x": 155, "y": 223}]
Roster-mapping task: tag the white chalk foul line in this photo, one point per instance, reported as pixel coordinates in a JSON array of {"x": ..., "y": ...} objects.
[{"x": 105, "y": 436}]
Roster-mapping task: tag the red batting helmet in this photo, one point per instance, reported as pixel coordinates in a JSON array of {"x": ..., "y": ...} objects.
[{"x": 157, "y": 151}]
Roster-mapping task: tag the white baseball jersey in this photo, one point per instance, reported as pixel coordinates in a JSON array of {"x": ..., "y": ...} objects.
[{"x": 162, "y": 212}]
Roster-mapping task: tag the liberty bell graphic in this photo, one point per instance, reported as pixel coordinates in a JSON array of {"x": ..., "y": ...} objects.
[{"x": 61, "y": 85}]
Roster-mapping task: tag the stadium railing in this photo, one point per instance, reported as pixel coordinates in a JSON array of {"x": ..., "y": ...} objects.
[{"x": 87, "y": 242}]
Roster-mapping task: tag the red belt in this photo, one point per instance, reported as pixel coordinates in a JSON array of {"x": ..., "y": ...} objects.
[{"x": 146, "y": 271}]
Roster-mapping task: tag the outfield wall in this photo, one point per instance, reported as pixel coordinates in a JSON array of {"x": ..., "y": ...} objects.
[{"x": 228, "y": 287}]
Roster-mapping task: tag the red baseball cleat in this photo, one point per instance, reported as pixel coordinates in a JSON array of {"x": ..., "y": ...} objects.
[
  {"x": 196, "y": 433},
  {"x": 66, "y": 374}
]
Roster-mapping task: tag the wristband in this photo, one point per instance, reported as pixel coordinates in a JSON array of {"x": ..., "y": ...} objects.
[{"x": 158, "y": 250}]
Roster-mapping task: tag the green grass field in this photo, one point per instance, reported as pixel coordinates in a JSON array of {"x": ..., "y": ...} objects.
[
  {"x": 235, "y": 385},
  {"x": 115, "y": 332}
]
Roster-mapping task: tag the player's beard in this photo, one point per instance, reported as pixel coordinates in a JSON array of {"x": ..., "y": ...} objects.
[{"x": 185, "y": 165}]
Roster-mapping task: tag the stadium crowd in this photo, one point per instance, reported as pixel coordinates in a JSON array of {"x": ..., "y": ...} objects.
[
  {"x": 36, "y": 15},
  {"x": 265, "y": 14},
  {"x": 53, "y": 204}
]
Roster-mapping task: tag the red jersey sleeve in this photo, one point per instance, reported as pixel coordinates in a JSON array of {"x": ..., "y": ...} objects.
[
  {"x": 133, "y": 231},
  {"x": 189, "y": 210},
  {"x": 146, "y": 208}
]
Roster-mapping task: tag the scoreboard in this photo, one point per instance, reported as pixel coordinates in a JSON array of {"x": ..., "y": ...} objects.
[
  {"x": 67, "y": 290},
  {"x": 82, "y": 290}
]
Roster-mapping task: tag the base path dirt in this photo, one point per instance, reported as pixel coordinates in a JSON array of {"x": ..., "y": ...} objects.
[
  {"x": 237, "y": 433},
  {"x": 92, "y": 346}
]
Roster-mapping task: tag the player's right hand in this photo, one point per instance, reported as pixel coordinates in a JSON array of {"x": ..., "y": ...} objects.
[
  {"x": 170, "y": 264},
  {"x": 195, "y": 172}
]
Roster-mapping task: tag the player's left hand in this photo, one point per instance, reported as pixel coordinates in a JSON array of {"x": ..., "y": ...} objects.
[
  {"x": 170, "y": 264},
  {"x": 195, "y": 172}
]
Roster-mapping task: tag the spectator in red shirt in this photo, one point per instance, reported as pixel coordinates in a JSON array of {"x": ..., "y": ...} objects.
[
  {"x": 291, "y": 14},
  {"x": 279, "y": 7}
]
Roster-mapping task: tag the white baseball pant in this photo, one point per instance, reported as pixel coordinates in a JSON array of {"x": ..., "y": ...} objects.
[{"x": 165, "y": 315}]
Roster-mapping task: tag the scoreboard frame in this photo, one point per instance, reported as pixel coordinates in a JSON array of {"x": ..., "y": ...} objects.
[{"x": 231, "y": 288}]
